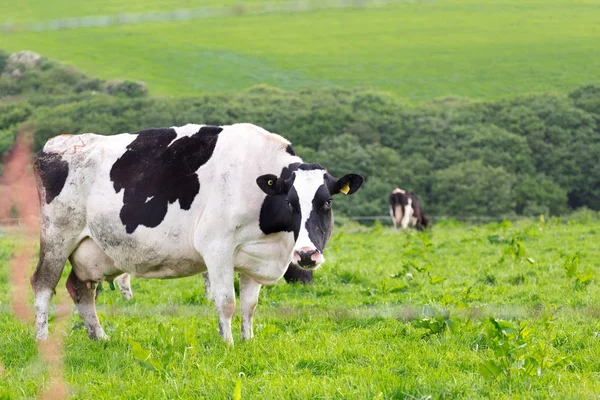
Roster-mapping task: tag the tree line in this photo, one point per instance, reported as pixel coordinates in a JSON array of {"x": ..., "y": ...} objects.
[{"x": 528, "y": 155}]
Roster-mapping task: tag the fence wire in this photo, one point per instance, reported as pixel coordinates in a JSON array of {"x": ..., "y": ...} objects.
[{"x": 471, "y": 218}]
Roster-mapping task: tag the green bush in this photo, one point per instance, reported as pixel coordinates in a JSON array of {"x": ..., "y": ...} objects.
[
  {"x": 126, "y": 88},
  {"x": 473, "y": 188},
  {"x": 3, "y": 59},
  {"x": 529, "y": 155}
]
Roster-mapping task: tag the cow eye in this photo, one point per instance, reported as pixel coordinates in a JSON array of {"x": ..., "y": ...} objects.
[{"x": 327, "y": 205}]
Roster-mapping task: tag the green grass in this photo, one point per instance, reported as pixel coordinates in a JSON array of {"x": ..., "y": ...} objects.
[
  {"x": 420, "y": 50},
  {"x": 389, "y": 316}
]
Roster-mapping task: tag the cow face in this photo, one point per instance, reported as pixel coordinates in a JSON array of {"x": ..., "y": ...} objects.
[{"x": 300, "y": 201}]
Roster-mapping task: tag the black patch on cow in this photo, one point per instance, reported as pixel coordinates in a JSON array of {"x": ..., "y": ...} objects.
[
  {"x": 319, "y": 224},
  {"x": 287, "y": 172},
  {"x": 398, "y": 199},
  {"x": 210, "y": 130},
  {"x": 281, "y": 212},
  {"x": 52, "y": 171},
  {"x": 290, "y": 150},
  {"x": 157, "y": 170}
]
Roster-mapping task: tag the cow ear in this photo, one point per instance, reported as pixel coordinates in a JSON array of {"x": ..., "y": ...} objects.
[
  {"x": 268, "y": 184},
  {"x": 347, "y": 184}
]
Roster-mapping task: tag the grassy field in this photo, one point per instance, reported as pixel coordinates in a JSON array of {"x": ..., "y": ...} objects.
[
  {"x": 501, "y": 310},
  {"x": 418, "y": 49}
]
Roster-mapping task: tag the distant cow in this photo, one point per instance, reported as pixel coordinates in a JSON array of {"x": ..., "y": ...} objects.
[
  {"x": 405, "y": 210},
  {"x": 174, "y": 202}
]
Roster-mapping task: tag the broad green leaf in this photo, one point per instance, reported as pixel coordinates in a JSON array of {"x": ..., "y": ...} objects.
[
  {"x": 139, "y": 352},
  {"x": 489, "y": 369}
]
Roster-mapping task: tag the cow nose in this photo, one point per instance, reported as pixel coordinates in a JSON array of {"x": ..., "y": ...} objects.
[{"x": 307, "y": 257}]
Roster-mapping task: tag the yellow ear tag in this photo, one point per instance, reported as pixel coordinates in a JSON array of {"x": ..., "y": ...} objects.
[
  {"x": 345, "y": 189},
  {"x": 270, "y": 182}
]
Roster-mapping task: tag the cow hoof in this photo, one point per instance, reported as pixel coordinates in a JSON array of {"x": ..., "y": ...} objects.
[
  {"x": 99, "y": 336},
  {"x": 41, "y": 338},
  {"x": 127, "y": 295}
]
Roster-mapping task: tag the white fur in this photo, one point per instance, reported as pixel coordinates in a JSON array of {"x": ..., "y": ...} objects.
[
  {"x": 408, "y": 214},
  {"x": 41, "y": 305}
]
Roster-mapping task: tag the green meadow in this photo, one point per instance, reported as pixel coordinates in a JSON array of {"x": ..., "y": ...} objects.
[
  {"x": 462, "y": 311},
  {"x": 416, "y": 49}
]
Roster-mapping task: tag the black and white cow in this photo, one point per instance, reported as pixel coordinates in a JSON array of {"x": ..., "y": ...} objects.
[
  {"x": 405, "y": 210},
  {"x": 174, "y": 202}
]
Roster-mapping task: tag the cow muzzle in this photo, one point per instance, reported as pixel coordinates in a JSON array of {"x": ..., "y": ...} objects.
[{"x": 307, "y": 258}]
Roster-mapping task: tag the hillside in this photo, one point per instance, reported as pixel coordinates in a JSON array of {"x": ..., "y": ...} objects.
[
  {"x": 529, "y": 155},
  {"x": 419, "y": 49}
]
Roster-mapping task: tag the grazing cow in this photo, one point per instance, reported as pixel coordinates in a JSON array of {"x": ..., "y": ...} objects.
[
  {"x": 174, "y": 202},
  {"x": 405, "y": 210}
]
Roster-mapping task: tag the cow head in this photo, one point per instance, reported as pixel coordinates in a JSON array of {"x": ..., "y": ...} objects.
[{"x": 300, "y": 201}]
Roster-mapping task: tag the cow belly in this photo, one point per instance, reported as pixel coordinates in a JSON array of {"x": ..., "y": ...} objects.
[
  {"x": 161, "y": 252},
  {"x": 171, "y": 269},
  {"x": 160, "y": 266},
  {"x": 91, "y": 263}
]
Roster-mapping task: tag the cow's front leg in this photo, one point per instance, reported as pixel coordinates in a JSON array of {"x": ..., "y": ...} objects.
[
  {"x": 249, "y": 290},
  {"x": 221, "y": 275},
  {"x": 207, "y": 291},
  {"x": 224, "y": 296},
  {"x": 408, "y": 213}
]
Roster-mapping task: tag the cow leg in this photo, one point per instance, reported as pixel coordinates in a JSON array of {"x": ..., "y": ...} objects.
[
  {"x": 124, "y": 284},
  {"x": 393, "y": 218},
  {"x": 249, "y": 290},
  {"x": 84, "y": 297},
  {"x": 220, "y": 269},
  {"x": 207, "y": 291},
  {"x": 408, "y": 213},
  {"x": 398, "y": 213},
  {"x": 43, "y": 282}
]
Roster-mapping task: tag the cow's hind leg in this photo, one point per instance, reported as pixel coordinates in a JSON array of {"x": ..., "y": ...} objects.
[
  {"x": 90, "y": 266},
  {"x": 84, "y": 296},
  {"x": 43, "y": 282},
  {"x": 124, "y": 284},
  {"x": 249, "y": 290}
]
